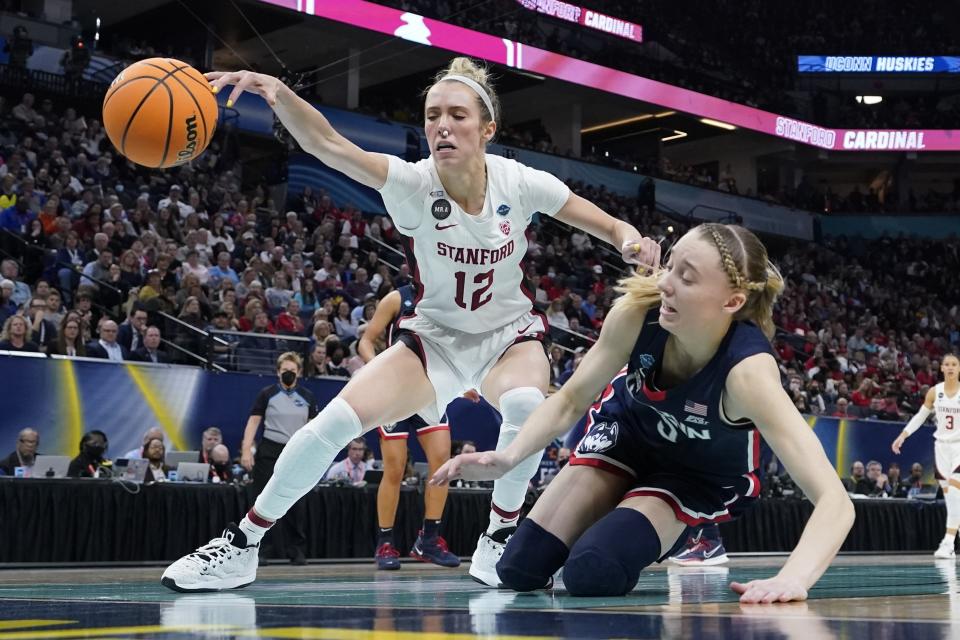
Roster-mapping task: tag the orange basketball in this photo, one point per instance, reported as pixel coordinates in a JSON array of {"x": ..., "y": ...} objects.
[{"x": 160, "y": 112}]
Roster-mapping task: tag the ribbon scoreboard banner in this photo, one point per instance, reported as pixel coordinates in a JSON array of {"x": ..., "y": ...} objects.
[
  {"x": 586, "y": 18},
  {"x": 878, "y": 64},
  {"x": 434, "y": 33}
]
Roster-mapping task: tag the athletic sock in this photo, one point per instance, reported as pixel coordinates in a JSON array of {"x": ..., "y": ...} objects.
[
  {"x": 431, "y": 529},
  {"x": 385, "y": 535},
  {"x": 501, "y": 520},
  {"x": 254, "y": 527}
]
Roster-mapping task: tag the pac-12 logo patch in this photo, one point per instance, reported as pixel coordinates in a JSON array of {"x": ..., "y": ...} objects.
[
  {"x": 646, "y": 361},
  {"x": 505, "y": 227},
  {"x": 503, "y": 209},
  {"x": 441, "y": 209},
  {"x": 602, "y": 436}
]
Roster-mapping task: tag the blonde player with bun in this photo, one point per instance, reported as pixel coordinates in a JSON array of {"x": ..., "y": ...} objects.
[
  {"x": 674, "y": 441},
  {"x": 943, "y": 400},
  {"x": 463, "y": 213}
]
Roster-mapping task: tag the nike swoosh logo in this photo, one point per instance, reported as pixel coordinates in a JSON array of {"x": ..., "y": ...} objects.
[
  {"x": 709, "y": 554},
  {"x": 524, "y": 330},
  {"x": 439, "y": 228}
]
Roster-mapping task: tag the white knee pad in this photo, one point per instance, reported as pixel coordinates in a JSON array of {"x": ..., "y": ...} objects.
[
  {"x": 307, "y": 456},
  {"x": 516, "y": 406}
]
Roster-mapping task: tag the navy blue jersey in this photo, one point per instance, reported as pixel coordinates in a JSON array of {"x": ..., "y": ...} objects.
[
  {"x": 683, "y": 427},
  {"x": 408, "y": 304}
]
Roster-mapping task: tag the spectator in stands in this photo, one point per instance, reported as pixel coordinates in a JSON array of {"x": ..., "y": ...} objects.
[
  {"x": 24, "y": 454},
  {"x": 91, "y": 463},
  {"x": 42, "y": 331},
  {"x": 875, "y": 483},
  {"x": 220, "y": 469},
  {"x": 154, "y": 451},
  {"x": 307, "y": 295},
  {"x": 345, "y": 324},
  {"x": 857, "y": 474},
  {"x": 222, "y": 270},
  {"x": 894, "y": 480},
  {"x": 289, "y": 322},
  {"x": 149, "y": 434},
  {"x": 7, "y": 306},
  {"x": 97, "y": 271},
  {"x": 842, "y": 410},
  {"x": 107, "y": 347},
  {"x": 193, "y": 267},
  {"x": 211, "y": 437},
  {"x": 70, "y": 338},
  {"x": 150, "y": 351},
  {"x": 913, "y": 484},
  {"x": 10, "y": 270},
  {"x": 280, "y": 294},
  {"x": 15, "y": 336},
  {"x": 352, "y": 468},
  {"x": 130, "y": 334}
]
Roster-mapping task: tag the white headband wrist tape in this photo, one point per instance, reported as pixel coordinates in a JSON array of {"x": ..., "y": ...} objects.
[{"x": 473, "y": 84}]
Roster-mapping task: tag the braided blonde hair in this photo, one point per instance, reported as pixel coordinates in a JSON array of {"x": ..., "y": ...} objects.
[
  {"x": 748, "y": 267},
  {"x": 737, "y": 246}
]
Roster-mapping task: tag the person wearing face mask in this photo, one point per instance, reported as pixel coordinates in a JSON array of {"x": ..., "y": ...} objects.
[
  {"x": 282, "y": 409},
  {"x": 220, "y": 470},
  {"x": 91, "y": 463}
]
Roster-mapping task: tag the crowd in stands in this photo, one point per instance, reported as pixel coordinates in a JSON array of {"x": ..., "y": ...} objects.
[{"x": 757, "y": 67}]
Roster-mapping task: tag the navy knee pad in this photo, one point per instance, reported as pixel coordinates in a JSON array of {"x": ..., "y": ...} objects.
[
  {"x": 532, "y": 556},
  {"x": 608, "y": 558}
]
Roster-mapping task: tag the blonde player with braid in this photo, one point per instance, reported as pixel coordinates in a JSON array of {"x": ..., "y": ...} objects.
[
  {"x": 943, "y": 400},
  {"x": 674, "y": 441}
]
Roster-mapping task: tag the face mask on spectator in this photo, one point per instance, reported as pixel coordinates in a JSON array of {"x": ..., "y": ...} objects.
[{"x": 94, "y": 451}]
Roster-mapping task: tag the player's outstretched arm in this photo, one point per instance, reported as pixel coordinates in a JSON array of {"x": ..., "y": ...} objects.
[
  {"x": 308, "y": 126},
  {"x": 585, "y": 215},
  {"x": 387, "y": 310},
  {"x": 916, "y": 421},
  {"x": 753, "y": 391},
  {"x": 559, "y": 412}
]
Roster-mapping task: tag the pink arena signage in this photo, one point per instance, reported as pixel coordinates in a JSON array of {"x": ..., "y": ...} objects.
[
  {"x": 435, "y": 33},
  {"x": 586, "y": 17}
]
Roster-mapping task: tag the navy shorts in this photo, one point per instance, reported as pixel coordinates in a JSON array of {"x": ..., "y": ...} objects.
[
  {"x": 414, "y": 424},
  {"x": 697, "y": 499}
]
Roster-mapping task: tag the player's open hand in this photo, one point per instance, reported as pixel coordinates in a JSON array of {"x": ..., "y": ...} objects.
[
  {"x": 483, "y": 465},
  {"x": 643, "y": 252},
  {"x": 258, "y": 83},
  {"x": 776, "y": 589},
  {"x": 897, "y": 444}
]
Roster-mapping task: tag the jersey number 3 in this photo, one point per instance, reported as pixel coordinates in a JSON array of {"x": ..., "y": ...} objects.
[
  {"x": 478, "y": 299},
  {"x": 949, "y": 422}
]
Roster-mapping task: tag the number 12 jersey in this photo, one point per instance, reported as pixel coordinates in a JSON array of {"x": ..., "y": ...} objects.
[{"x": 467, "y": 268}]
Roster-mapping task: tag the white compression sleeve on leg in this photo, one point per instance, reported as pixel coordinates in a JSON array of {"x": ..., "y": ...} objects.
[
  {"x": 952, "y": 498},
  {"x": 307, "y": 457},
  {"x": 516, "y": 406}
]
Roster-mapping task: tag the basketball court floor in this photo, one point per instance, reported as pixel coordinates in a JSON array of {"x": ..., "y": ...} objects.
[{"x": 862, "y": 596}]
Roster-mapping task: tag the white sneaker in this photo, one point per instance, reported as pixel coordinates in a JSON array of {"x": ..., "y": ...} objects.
[
  {"x": 945, "y": 551},
  {"x": 483, "y": 564},
  {"x": 227, "y": 562}
]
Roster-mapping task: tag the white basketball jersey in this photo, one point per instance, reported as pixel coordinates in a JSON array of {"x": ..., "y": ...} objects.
[
  {"x": 947, "y": 410},
  {"x": 468, "y": 267}
]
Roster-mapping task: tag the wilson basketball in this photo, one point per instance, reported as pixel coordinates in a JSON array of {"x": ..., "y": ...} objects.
[{"x": 160, "y": 112}]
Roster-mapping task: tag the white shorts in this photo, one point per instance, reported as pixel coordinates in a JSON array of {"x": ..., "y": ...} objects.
[
  {"x": 947, "y": 459},
  {"x": 455, "y": 361}
]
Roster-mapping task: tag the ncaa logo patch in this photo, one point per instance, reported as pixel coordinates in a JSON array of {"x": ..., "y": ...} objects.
[
  {"x": 503, "y": 209},
  {"x": 603, "y": 436},
  {"x": 505, "y": 227}
]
